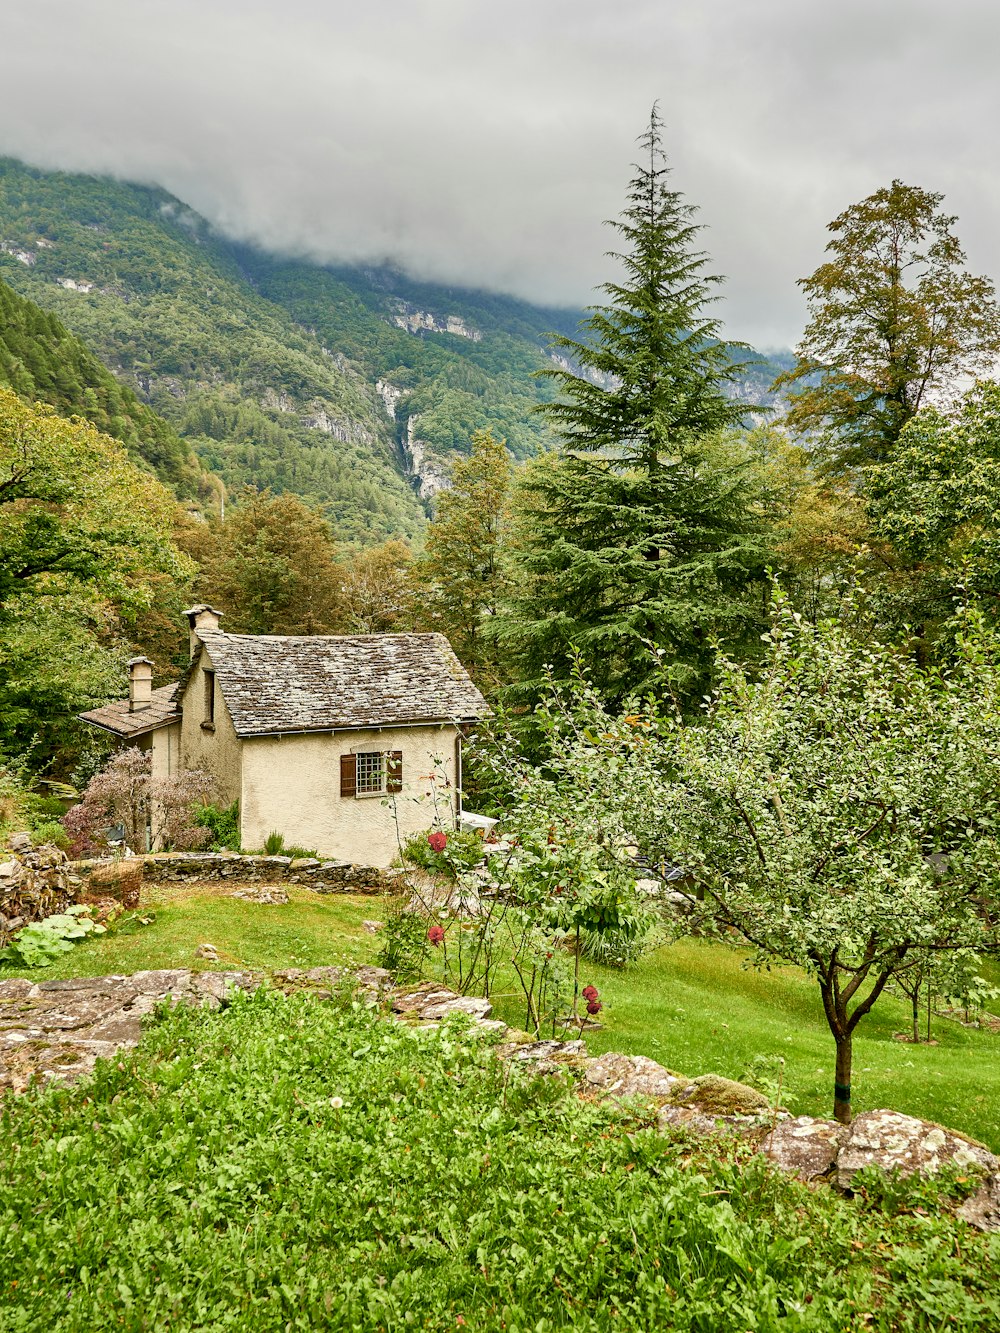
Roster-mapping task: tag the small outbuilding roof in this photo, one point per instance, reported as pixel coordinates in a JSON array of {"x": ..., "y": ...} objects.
[
  {"x": 285, "y": 683},
  {"x": 117, "y": 718}
]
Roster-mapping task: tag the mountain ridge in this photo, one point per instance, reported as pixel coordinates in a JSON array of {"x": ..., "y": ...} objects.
[{"x": 350, "y": 386}]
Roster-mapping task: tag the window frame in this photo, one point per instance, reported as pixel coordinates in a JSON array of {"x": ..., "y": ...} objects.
[{"x": 380, "y": 766}]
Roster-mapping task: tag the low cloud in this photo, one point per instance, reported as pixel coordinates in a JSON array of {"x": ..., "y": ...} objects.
[{"x": 484, "y": 144}]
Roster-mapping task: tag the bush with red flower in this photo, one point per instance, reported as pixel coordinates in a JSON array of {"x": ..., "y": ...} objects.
[{"x": 440, "y": 853}]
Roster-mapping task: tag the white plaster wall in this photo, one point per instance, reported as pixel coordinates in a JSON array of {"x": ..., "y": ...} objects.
[
  {"x": 217, "y": 752},
  {"x": 291, "y": 785},
  {"x": 165, "y": 744}
]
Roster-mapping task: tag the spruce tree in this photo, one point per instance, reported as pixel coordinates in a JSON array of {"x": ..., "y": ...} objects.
[{"x": 645, "y": 533}]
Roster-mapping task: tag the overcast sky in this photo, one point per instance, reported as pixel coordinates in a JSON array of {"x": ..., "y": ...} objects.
[{"x": 483, "y": 143}]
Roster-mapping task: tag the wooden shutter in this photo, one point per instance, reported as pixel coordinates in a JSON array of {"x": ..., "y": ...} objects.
[
  {"x": 348, "y": 775},
  {"x": 394, "y": 772}
]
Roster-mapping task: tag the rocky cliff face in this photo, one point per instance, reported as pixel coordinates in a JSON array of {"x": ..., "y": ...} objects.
[
  {"x": 423, "y": 321},
  {"x": 429, "y": 473}
]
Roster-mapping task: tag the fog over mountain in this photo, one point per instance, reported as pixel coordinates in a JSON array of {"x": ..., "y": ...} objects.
[{"x": 484, "y": 144}]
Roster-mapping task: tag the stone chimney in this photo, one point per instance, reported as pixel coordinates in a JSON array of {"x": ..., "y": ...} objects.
[
  {"x": 201, "y": 617},
  {"x": 140, "y": 684}
]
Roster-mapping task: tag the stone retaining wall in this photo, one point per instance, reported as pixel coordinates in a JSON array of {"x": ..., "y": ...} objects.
[
  {"x": 35, "y": 882},
  {"x": 311, "y": 873}
]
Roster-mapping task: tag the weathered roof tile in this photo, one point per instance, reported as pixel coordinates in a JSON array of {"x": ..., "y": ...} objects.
[
  {"x": 285, "y": 683},
  {"x": 115, "y": 717}
]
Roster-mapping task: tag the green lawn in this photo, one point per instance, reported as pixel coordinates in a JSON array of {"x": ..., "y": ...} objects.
[
  {"x": 691, "y": 1005},
  {"x": 696, "y": 1009},
  {"x": 311, "y": 930}
]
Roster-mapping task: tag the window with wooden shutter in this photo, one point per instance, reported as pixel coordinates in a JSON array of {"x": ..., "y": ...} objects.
[
  {"x": 394, "y": 773},
  {"x": 348, "y": 775}
]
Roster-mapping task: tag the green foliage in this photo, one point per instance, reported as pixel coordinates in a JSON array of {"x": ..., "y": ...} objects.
[
  {"x": 462, "y": 851},
  {"x": 83, "y": 533},
  {"x": 224, "y": 825},
  {"x": 44, "y": 941},
  {"x": 417, "y": 1180},
  {"x": 645, "y": 537},
  {"x": 895, "y": 322},
  {"x": 462, "y": 565},
  {"x": 271, "y": 565},
  {"x": 838, "y": 811},
  {"x": 41, "y": 360},
  {"x": 639, "y": 574},
  {"x": 404, "y": 946},
  {"x": 274, "y": 843}
]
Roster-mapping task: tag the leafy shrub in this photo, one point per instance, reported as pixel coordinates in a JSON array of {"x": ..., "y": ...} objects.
[
  {"x": 274, "y": 845},
  {"x": 126, "y": 794},
  {"x": 51, "y": 832},
  {"x": 458, "y": 852},
  {"x": 418, "y": 1182},
  {"x": 222, "y": 824},
  {"x": 621, "y": 945},
  {"x": 404, "y": 945},
  {"x": 44, "y": 941}
]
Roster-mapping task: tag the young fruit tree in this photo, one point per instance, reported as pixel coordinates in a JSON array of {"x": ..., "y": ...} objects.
[{"x": 840, "y": 812}]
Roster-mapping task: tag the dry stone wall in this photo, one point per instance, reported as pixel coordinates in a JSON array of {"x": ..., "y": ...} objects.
[
  {"x": 35, "y": 882},
  {"x": 311, "y": 873}
]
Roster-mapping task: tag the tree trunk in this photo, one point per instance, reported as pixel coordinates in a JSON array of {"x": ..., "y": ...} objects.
[
  {"x": 842, "y": 1082},
  {"x": 915, "y": 1002}
]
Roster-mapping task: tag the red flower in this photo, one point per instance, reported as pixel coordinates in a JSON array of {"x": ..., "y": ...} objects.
[
  {"x": 594, "y": 1006},
  {"x": 436, "y": 934},
  {"x": 590, "y": 992},
  {"x": 437, "y": 842}
]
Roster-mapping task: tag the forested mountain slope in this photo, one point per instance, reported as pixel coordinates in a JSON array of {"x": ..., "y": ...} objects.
[
  {"x": 42, "y": 361},
  {"x": 350, "y": 387},
  {"x": 166, "y": 306}
]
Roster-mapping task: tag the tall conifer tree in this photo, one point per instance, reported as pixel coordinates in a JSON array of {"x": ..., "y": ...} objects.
[{"x": 644, "y": 533}]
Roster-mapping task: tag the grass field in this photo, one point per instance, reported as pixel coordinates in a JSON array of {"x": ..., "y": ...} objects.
[
  {"x": 295, "y": 1164},
  {"x": 692, "y": 1005}
]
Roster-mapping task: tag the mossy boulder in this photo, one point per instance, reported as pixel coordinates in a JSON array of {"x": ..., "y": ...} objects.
[{"x": 721, "y": 1096}]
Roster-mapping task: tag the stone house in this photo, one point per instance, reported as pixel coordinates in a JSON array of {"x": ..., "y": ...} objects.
[{"x": 343, "y": 743}]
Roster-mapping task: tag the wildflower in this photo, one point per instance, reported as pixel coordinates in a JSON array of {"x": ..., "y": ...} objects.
[
  {"x": 594, "y": 1006},
  {"x": 436, "y": 934},
  {"x": 336, "y": 1102},
  {"x": 437, "y": 842},
  {"x": 590, "y": 992}
]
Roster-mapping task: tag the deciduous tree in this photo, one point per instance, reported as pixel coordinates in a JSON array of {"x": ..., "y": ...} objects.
[
  {"x": 462, "y": 564},
  {"x": 896, "y": 322},
  {"x": 273, "y": 568}
]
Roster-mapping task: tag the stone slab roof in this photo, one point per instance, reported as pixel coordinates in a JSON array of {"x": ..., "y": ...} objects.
[
  {"x": 287, "y": 683},
  {"x": 116, "y": 718}
]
